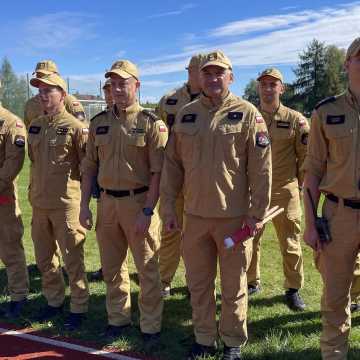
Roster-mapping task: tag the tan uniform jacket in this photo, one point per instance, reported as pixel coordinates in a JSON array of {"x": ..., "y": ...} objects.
[
  {"x": 288, "y": 131},
  {"x": 127, "y": 147},
  {"x": 12, "y": 151},
  {"x": 222, "y": 156},
  {"x": 33, "y": 108},
  {"x": 334, "y": 145},
  {"x": 170, "y": 104},
  {"x": 56, "y": 149}
]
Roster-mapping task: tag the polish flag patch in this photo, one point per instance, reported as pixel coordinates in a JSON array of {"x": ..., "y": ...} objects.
[
  {"x": 162, "y": 128},
  {"x": 19, "y": 125},
  {"x": 259, "y": 119}
]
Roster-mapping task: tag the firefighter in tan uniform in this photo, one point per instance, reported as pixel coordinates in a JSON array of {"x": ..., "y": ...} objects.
[
  {"x": 288, "y": 131},
  {"x": 126, "y": 147},
  {"x": 332, "y": 168},
  {"x": 219, "y": 154},
  {"x": 33, "y": 108},
  {"x": 169, "y": 106},
  {"x": 12, "y": 153},
  {"x": 56, "y": 147}
]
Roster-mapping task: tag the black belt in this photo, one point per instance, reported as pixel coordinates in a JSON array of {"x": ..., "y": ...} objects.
[
  {"x": 123, "y": 193},
  {"x": 354, "y": 204}
]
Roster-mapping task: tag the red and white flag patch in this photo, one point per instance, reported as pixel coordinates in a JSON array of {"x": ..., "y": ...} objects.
[
  {"x": 162, "y": 128},
  {"x": 259, "y": 119}
]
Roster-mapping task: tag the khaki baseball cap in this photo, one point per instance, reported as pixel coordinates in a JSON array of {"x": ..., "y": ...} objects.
[
  {"x": 217, "y": 58},
  {"x": 195, "y": 61},
  {"x": 273, "y": 72},
  {"x": 50, "y": 79},
  {"x": 107, "y": 83},
  {"x": 46, "y": 67},
  {"x": 123, "y": 68},
  {"x": 353, "y": 49}
]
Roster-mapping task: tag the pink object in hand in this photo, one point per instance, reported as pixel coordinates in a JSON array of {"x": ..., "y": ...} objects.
[{"x": 239, "y": 236}]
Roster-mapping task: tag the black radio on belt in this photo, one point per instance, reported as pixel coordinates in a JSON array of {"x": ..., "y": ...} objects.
[{"x": 321, "y": 224}]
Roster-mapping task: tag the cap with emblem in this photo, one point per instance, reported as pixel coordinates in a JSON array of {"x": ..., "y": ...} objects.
[
  {"x": 217, "y": 58},
  {"x": 273, "y": 72},
  {"x": 123, "y": 68},
  {"x": 50, "y": 79},
  {"x": 195, "y": 61},
  {"x": 107, "y": 83},
  {"x": 46, "y": 67},
  {"x": 353, "y": 49}
]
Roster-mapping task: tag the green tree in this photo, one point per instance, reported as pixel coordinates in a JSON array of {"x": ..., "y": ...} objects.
[
  {"x": 13, "y": 90},
  {"x": 335, "y": 80},
  {"x": 251, "y": 94}
]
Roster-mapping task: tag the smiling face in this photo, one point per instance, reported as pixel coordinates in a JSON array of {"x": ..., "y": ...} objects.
[
  {"x": 215, "y": 81},
  {"x": 51, "y": 97},
  {"x": 124, "y": 90},
  {"x": 270, "y": 89}
]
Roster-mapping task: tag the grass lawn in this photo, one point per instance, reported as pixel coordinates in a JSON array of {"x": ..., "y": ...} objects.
[{"x": 274, "y": 331}]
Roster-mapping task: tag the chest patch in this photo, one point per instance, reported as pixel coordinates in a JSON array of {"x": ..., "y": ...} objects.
[
  {"x": 189, "y": 118},
  {"x": 335, "y": 119},
  {"x": 62, "y": 131},
  {"x": 235, "y": 116},
  {"x": 171, "y": 101},
  {"x": 101, "y": 130},
  {"x": 34, "y": 129},
  {"x": 283, "y": 124},
  {"x": 262, "y": 139}
]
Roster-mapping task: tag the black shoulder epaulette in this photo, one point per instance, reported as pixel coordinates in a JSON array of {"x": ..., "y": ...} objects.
[
  {"x": 325, "y": 101},
  {"x": 100, "y": 113},
  {"x": 151, "y": 114}
]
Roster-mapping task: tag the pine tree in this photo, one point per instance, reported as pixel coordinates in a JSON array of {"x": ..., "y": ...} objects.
[{"x": 335, "y": 82}]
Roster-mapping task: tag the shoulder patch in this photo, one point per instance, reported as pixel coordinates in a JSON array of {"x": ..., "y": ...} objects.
[
  {"x": 283, "y": 124},
  {"x": 151, "y": 114},
  {"x": 100, "y": 113},
  {"x": 189, "y": 118},
  {"x": 19, "y": 141},
  {"x": 262, "y": 139},
  {"x": 101, "y": 130},
  {"x": 62, "y": 130},
  {"x": 325, "y": 101},
  {"x": 335, "y": 119},
  {"x": 34, "y": 129},
  {"x": 235, "y": 116},
  {"x": 171, "y": 101}
]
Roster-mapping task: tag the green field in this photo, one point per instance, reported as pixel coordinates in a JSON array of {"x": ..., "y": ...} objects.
[{"x": 274, "y": 331}]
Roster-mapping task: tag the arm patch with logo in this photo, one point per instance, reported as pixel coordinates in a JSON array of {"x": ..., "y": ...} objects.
[
  {"x": 262, "y": 139},
  {"x": 189, "y": 118},
  {"x": 19, "y": 141}
]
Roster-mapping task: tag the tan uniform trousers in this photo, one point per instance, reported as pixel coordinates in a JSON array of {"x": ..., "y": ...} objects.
[
  {"x": 62, "y": 225},
  {"x": 170, "y": 248},
  {"x": 202, "y": 248},
  {"x": 355, "y": 286},
  {"x": 12, "y": 252},
  {"x": 288, "y": 231},
  {"x": 115, "y": 230},
  {"x": 336, "y": 264}
]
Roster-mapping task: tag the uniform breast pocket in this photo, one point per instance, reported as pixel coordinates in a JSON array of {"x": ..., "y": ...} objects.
[
  {"x": 59, "y": 149},
  {"x": 135, "y": 148},
  {"x": 103, "y": 145},
  {"x": 282, "y": 134},
  {"x": 340, "y": 142},
  {"x": 190, "y": 145}
]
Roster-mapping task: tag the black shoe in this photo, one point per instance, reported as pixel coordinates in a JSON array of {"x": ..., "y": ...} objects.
[
  {"x": 113, "y": 331},
  {"x": 253, "y": 289},
  {"x": 198, "y": 351},
  {"x": 15, "y": 309},
  {"x": 48, "y": 313},
  {"x": 96, "y": 275},
  {"x": 73, "y": 321},
  {"x": 294, "y": 301},
  {"x": 354, "y": 307},
  {"x": 231, "y": 353}
]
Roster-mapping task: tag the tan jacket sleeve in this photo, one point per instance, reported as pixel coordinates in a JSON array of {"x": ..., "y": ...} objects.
[
  {"x": 159, "y": 111},
  {"x": 81, "y": 138},
  {"x": 89, "y": 163},
  {"x": 259, "y": 166},
  {"x": 15, "y": 140},
  {"x": 301, "y": 139},
  {"x": 158, "y": 137},
  {"x": 316, "y": 157}
]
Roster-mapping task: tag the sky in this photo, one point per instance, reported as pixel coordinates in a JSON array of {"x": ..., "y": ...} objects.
[{"x": 85, "y": 37}]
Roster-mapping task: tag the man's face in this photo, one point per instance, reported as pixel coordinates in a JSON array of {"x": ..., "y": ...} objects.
[
  {"x": 215, "y": 80},
  {"x": 108, "y": 96},
  {"x": 352, "y": 67},
  {"x": 124, "y": 90},
  {"x": 270, "y": 89},
  {"x": 50, "y": 96}
]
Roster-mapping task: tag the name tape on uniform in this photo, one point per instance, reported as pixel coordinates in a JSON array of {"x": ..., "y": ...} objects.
[
  {"x": 335, "y": 119},
  {"x": 189, "y": 118},
  {"x": 101, "y": 130}
]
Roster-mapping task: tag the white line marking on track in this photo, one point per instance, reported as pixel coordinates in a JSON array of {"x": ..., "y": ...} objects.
[{"x": 65, "y": 345}]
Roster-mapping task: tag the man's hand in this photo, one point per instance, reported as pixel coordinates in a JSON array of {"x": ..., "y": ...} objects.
[
  {"x": 171, "y": 224},
  {"x": 311, "y": 238},
  {"x": 142, "y": 224},
  {"x": 255, "y": 225},
  {"x": 85, "y": 217}
]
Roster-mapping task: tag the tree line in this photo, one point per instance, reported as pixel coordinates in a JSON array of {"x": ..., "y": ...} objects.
[{"x": 318, "y": 74}]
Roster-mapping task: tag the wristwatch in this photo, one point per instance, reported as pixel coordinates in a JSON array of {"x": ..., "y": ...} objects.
[{"x": 147, "y": 211}]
